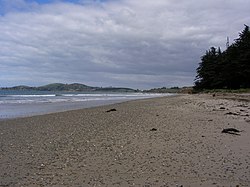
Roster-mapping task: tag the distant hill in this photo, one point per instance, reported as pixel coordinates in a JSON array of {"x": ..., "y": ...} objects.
[
  {"x": 111, "y": 89},
  {"x": 69, "y": 87},
  {"x": 65, "y": 87}
]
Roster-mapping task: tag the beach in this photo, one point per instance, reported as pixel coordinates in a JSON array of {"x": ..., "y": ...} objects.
[{"x": 166, "y": 141}]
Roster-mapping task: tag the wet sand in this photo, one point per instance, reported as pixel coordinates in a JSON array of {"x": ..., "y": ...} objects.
[{"x": 169, "y": 141}]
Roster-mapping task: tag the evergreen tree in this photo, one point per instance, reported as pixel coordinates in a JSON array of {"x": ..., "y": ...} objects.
[
  {"x": 208, "y": 69},
  {"x": 243, "y": 45},
  {"x": 228, "y": 69}
]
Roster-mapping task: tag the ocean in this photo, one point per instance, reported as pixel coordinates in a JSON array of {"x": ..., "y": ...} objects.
[{"x": 15, "y": 104}]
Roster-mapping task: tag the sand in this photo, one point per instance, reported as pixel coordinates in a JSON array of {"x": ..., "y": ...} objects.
[{"x": 169, "y": 141}]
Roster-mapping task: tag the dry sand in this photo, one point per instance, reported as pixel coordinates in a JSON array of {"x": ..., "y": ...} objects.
[{"x": 170, "y": 141}]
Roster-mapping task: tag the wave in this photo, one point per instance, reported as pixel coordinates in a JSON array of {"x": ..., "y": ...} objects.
[
  {"x": 56, "y": 98},
  {"x": 113, "y": 95},
  {"x": 47, "y": 95},
  {"x": 86, "y": 95}
]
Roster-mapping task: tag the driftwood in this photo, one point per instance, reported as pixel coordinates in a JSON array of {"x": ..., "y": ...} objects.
[
  {"x": 232, "y": 113},
  {"x": 231, "y": 131},
  {"x": 111, "y": 110},
  {"x": 153, "y": 129}
]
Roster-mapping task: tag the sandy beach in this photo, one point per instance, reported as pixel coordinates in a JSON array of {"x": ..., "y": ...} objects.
[{"x": 168, "y": 141}]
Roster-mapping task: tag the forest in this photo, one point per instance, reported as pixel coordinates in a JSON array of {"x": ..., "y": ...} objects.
[{"x": 229, "y": 69}]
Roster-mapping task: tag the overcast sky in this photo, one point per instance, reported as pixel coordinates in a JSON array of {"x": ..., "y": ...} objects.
[{"x": 131, "y": 43}]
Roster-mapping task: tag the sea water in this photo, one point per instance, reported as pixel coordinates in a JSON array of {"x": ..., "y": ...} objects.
[{"x": 29, "y": 103}]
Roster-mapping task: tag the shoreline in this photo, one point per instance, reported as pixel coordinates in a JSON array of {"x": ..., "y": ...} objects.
[
  {"x": 53, "y": 108},
  {"x": 17, "y": 110},
  {"x": 171, "y": 141}
]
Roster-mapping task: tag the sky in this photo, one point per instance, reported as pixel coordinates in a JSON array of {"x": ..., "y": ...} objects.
[{"x": 122, "y": 43}]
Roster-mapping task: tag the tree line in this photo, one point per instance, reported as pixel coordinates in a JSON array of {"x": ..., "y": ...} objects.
[{"x": 229, "y": 69}]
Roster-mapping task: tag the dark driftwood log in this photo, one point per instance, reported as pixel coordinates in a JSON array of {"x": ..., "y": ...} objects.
[
  {"x": 153, "y": 129},
  {"x": 232, "y": 113},
  {"x": 231, "y": 131},
  {"x": 111, "y": 110}
]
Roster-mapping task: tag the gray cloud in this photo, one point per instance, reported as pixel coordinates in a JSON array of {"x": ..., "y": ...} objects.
[{"x": 138, "y": 44}]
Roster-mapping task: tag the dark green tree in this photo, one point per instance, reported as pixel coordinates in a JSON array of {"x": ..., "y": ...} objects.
[
  {"x": 208, "y": 69},
  {"x": 229, "y": 69},
  {"x": 243, "y": 47}
]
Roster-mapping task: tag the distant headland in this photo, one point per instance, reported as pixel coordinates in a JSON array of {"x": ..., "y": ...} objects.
[
  {"x": 77, "y": 87},
  {"x": 69, "y": 87}
]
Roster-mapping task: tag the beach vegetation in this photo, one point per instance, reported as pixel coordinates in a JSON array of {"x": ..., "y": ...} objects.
[
  {"x": 163, "y": 90},
  {"x": 229, "y": 69}
]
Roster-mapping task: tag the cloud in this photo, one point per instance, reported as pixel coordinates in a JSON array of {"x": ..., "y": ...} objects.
[{"x": 139, "y": 44}]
